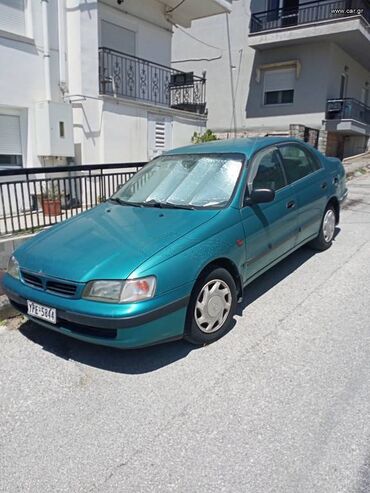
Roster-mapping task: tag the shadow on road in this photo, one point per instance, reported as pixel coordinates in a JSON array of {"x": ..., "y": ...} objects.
[{"x": 137, "y": 361}]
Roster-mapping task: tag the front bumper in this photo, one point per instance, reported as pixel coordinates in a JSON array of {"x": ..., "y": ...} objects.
[{"x": 125, "y": 326}]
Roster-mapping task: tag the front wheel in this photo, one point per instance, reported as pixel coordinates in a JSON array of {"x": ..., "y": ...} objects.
[
  {"x": 327, "y": 230},
  {"x": 212, "y": 307}
]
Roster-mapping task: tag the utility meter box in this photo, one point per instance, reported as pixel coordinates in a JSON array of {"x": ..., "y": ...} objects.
[{"x": 54, "y": 129}]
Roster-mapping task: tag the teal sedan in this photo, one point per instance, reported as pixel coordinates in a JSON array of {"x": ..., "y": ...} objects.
[{"x": 170, "y": 254}]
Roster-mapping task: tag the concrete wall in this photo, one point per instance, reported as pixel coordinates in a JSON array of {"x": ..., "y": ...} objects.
[
  {"x": 22, "y": 76},
  {"x": 7, "y": 247},
  {"x": 357, "y": 74},
  {"x": 321, "y": 65},
  {"x": 214, "y": 59},
  {"x": 107, "y": 129},
  {"x": 97, "y": 123}
]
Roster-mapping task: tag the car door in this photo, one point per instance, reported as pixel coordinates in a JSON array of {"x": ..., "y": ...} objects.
[
  {"x": 308, "y": 178},
  {"x": 270, "y": 228}
]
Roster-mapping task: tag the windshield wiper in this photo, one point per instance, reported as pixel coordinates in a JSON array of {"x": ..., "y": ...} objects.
[
  {"x": 119, "y": 201},
  {"x": 166, "y": 205}
]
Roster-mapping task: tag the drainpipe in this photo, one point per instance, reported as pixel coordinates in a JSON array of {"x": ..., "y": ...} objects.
[
  {"x": 62, "y": 46},
  {"x": 46, "y": 56},
  {"x": 231, "y": 74}
]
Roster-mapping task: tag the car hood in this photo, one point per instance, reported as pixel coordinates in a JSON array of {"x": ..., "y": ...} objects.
[{"x": 107, "y": 242}]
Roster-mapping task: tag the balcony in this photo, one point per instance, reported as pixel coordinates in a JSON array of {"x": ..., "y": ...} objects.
[
  {"x": 345, "y": 22},
  {"x": 130, "y": 77},
  {"x": 307, "y": 13},
  {"x": 190, "y": 10},
  {"x": 348, "y": 115}
]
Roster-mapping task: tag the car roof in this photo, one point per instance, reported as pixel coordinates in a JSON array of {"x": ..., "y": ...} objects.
[{"x": 245, "y": 146}]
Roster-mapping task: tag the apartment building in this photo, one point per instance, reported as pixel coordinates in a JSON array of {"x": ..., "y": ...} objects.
[
  {"x": 290, "y": 67},
  {"x": 89, "y": 81}
]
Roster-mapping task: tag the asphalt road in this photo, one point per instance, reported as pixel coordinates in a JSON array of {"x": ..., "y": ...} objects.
[{"x": 281, "y": 404}]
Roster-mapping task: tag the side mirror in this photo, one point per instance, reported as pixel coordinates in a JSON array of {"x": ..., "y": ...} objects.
[{"x": 260, "y": 196}]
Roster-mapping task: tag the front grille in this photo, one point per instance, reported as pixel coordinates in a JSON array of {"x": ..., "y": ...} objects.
[
  {"x": 61, "y": 288},
  {"x": 31, "y": 279},
  {"x": 52, "y": 286}
]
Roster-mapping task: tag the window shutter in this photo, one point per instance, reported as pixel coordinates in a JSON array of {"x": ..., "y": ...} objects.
[
  {"x": 279, "y": 80},
  {"x": 117, "y": 38},
  {"x": 12, "y": 16},
  {"x": 10, "y": 135}
]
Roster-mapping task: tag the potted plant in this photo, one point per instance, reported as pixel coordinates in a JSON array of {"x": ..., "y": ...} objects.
[{"x": 51, "y": 200}]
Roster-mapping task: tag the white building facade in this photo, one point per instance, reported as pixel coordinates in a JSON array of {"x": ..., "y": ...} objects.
[
  {"x": 88, "y": 81},
  {"x": 298, "y": 67}
]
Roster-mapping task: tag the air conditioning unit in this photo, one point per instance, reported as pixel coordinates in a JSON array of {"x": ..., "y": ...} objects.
[
  {"x": 182, "y": 79},
  {"x": 54, "y": 129}
]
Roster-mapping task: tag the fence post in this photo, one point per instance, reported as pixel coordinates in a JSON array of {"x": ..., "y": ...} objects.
[{"x": 29, "y": 202}]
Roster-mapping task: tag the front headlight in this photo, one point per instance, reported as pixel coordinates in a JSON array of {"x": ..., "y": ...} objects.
[
  {"x": 13, "y": 267},
  {"x": 121, "y": 291}
]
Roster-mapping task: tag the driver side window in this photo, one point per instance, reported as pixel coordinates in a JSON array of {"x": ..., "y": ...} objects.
[{"x": 269, "y": 174}]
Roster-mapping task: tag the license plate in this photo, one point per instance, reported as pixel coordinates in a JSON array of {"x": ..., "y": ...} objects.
[{"x": 42, "y": 312}]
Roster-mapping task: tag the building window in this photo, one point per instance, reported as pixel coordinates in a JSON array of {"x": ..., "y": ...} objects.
[
  {"x": 279, "y": 86},
  {"x": 279, "y": 97},
  {"x": 12, "y": 16},
  {"x": 365, "y": 94},
  {"x": 10, "y": 141},
  {"x": 117, "y": 38}
]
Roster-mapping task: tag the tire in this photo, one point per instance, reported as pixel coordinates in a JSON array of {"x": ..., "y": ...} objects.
[
  {"x": 210, "y": 317},
  {"x": 327, "y": 230}
]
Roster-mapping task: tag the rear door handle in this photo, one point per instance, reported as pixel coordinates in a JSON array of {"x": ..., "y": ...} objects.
[
  {"x": 290, "y": 204},
  {"x": 324, "y": 185}
]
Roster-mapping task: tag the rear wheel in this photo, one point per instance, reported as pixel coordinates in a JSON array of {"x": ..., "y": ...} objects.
[
  {"x": 327, "y": 230},
  {"x": 212, "y": 307}
]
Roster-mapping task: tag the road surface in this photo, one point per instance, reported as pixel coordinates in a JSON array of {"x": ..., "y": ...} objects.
[{"x": 281, "y": 404}]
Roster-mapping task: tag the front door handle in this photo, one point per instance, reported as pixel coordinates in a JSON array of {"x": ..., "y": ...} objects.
[
  {"x": 290, "y": 204},
  {"x": 324, "y": 185}
]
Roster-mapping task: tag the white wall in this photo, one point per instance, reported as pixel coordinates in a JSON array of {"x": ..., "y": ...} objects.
[
  {"x": 319, "y": 78},
  {"x": 104, "y": 131},
  {"x": 125, "y": 130},
  {"x": 153, "y": 33},
  {"x": 22, "y": 76},
  {"x": 111, "y": 130},
  {"x": 214, "y": 59}
]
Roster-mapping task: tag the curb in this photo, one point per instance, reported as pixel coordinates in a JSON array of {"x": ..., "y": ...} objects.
[
  {"x": 6, "y": 309},
  {"x": 363, "y": 170}
]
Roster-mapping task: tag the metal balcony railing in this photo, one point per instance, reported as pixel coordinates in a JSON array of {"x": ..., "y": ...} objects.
[
  {"x": 127, "y": 76},
  {"x": 306, "y": 13},
  {"x": 347, "y": 109},
  {"x": 34, "y": 198}
]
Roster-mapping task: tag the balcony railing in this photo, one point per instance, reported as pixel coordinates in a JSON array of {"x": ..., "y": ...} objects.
[
  {"x": 307, "y": 13},
  {"x": 347, "y": 109},
  {"x": 34, "y": 198},
  {"x": 127, "y": 76}
]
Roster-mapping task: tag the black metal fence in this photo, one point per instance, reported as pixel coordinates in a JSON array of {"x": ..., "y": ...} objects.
[
  {"x": 347, "y": 109},
  {"x": 32, "y": 198},
  {"x": 310, "y": 12},
  {"x": 132, "y": 77}
]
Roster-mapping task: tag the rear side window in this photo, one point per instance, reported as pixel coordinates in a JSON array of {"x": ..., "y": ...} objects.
[{"x": 298, "y": 162}]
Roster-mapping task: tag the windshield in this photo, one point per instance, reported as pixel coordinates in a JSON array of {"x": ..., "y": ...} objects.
[{"x": 191, "y": 180}]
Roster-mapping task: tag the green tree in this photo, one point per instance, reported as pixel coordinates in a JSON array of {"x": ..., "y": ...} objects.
[{"x": 207, "y": 136}]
